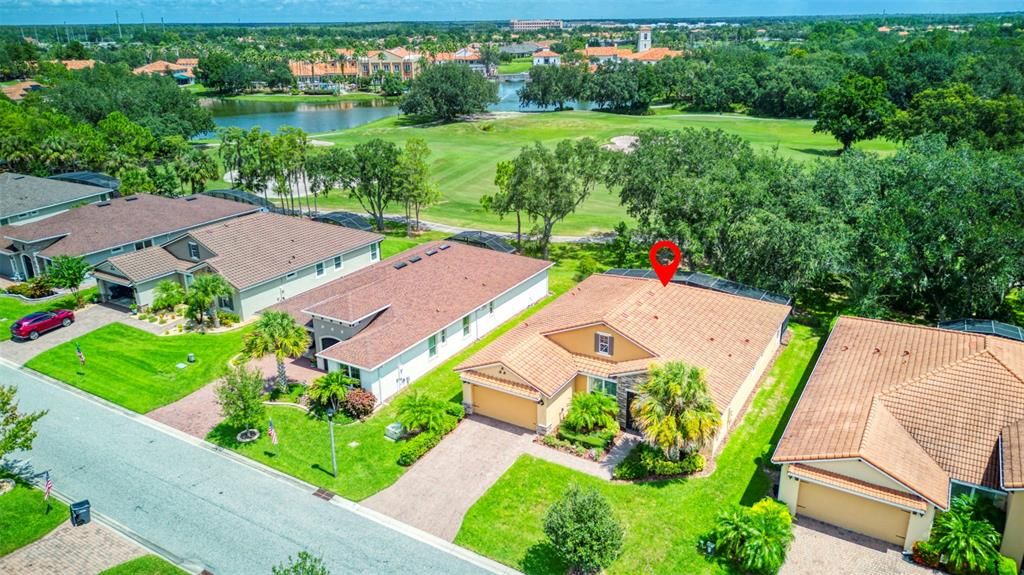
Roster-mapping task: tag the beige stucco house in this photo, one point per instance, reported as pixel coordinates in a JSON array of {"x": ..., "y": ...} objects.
[
  {"x": 603, "y": 335},
  {"x": 896, "y": 420}
]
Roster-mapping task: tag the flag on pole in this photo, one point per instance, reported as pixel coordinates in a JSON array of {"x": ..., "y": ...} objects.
[
  {"x": 272, "y": 433},
  {"x": 80, "y": 353},
  {"x": 48, "y": 488}
]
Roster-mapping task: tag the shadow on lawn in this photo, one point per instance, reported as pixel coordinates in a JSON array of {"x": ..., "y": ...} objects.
[{"x": 541, "y": 559}]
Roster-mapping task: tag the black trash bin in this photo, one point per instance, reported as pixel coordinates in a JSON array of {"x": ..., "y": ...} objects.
[{"x": 80, "y": 513}]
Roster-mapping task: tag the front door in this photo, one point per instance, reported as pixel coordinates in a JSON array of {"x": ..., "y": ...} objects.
[{"x": 630, "y": 426}]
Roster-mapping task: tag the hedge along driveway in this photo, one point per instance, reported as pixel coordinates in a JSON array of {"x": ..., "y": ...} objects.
[
  {"x": 663, "y": 519},
  {"x": 138, "y": 370}
]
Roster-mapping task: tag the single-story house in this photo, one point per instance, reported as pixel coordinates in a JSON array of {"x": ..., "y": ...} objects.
[
  {"x": 604, "y": 334},
  {"x": 265, "y": 257},
  {"x": 103, "y": 229},
  {"x": 25, "y": 199},
  {"x": 547, "y": 58},
  {"x": 520, "y": 49},
  {"x": 896, "y": 420},
  {"x": 391, "y": 323}
]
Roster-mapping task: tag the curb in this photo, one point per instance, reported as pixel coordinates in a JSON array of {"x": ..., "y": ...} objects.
[{"x": 351, "y": 506}]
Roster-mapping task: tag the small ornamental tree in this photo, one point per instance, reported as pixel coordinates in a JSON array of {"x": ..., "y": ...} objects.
[
  {"x": 169, "y": 294},
  {"x": 331, "y": 389},
  {"x": 16, "y": 431},
  {"x": 583, "y": 531},
  {"x": 418, "y": 411},
  {"x": 68, "y": 272},
  {"x": 240, "y": 395},
  {"x": 755, "y": 539},
  {"x": 305, "y": 564}
]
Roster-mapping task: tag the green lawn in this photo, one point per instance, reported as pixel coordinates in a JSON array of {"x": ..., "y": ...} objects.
[
  {"x": 662, "y": 520},
  {"x": 465, "y": 155},
  {"x": 24, "y": 517},
  {"x": 12, "y": 308},
  {"x": 145, "y": 565},
  {"x": 202, "y": 92},
  {"x": 136, "y": 369},
  {"x": 516, "y": 66},
  {"x": 397, "y": 241},
  {"x": 367, "y": 462}
]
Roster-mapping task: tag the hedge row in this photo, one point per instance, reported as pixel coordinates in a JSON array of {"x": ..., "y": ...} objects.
[
  {"x": 646, "y": 461},
  {"x": 416, "y": 447}
]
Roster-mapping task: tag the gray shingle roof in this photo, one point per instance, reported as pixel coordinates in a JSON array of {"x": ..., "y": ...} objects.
[{"x": 20, "y": 194}]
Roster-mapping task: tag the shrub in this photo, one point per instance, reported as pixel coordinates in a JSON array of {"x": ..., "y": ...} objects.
[
  {"x": 304, "y": 564},
  {"x": 923, "y": 554},
  {"x": 968, "y": 543},
  {"x": 1006, "y": 566},
  {"x": 455, "y": 409},
  {"x": 331, "y": 389},
  {"x": 646, "y": 461},
  {"x": 756, "y": 538},
  {"x": 416, "y": 447},
  {"x": 598, "y": 440},
  {"x": 583, "y": 531},
  {"x": 418, "y": 411},
  {"x": 585, "y": 267},
  {"x": 591, "y": 412},
  {"x": 169, "y": 294},
  {"x": 34, "y": 288},
  {"x": 359, "y": 403},
  {"x": 240, "y": 395},
  {"x": 227, "y": 318}
]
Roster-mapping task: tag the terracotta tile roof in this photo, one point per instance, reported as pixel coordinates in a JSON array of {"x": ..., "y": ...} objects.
[
  {"x": 78, "y": 64},
  {"x": 18, "y": 91},
  {"x": 653, "y": 55},
  {"x": 724, "y": 334},
  {"x": 420, "y": 298},
  {"x": 187, "y": 62},
  {"x": 502, "y": 384},
  {"x": 306, "y": 68},
  {"x": 1012, "y": 455},
  {"x": 122, "y": 221},
  {"x": 911, "y": 400},
  {"x": 546, "y": 54},
  {"x": 856, "y": 486},
  {"x": 605, "y": 52},
  {"x": 263, "y": 246},
  {"x": 159, "y": 67},
  {"x": 148, "y": 263}
]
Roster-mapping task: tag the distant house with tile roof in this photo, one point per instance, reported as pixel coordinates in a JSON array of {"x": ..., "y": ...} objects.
[
  {"x": 265, "y": 258},
  {"x": 392, "y": 322},
  {"x": 100, "y": 230},
  {"x": 898, "y": 419},
  {"x": 17, "y": 91},
  {"x": 78, "y": 64},
  {"x": 547, "y": 58},
  {"x": 645, "y": 52},
  {"x": 603, "y": 335},
  {"x": 182, "y": 74}
]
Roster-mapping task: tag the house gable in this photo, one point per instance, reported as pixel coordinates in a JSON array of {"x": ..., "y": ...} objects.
[
  {"x": 179, "y": 248},
  {"x": 582, "y": 341}
]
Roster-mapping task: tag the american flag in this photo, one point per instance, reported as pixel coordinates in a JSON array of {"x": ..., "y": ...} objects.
[
  {"x": 80, "y": 353},
  {"x": 272, "y": 433},
  {"x": 48, "y": 488}
]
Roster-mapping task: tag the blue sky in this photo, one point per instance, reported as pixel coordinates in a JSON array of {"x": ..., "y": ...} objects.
[{"x": 20, "y": 12}]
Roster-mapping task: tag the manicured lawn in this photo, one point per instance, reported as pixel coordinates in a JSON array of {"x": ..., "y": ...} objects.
[
  {"x": 12, "y": 309},
  {"x": 24, "y": 517},
  {"x": 145, "y": 565},
  {"x": 662, "y": 520},
  {"x": 367, "y": 462},
  {"x": 465, "y": 155},
  {"x": 136, "y": 369},
  {"x": 516, "y": 66},
  {"x": 397, "y": 241}
]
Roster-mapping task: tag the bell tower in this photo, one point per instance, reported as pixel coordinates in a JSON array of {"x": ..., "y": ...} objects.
[{"x": 643, "y": 42}]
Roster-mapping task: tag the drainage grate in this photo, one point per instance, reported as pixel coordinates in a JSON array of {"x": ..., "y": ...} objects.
[{"x": 323, "y": 494}]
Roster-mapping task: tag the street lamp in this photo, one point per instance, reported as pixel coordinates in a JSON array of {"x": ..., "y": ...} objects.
[{"x": 334, "y": 454}]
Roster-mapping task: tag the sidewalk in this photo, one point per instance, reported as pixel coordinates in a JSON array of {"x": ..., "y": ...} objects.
[{"x": 86, "y": 550}]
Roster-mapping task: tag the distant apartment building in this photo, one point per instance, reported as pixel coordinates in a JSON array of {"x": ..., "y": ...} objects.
[{"x": 534, "y": 25}]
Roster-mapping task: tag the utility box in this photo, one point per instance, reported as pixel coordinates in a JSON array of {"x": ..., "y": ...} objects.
[
  {"x": 394, "y": 431},
  {"x": 80, "y": 513},
  {"x": 191, "y": 358}
]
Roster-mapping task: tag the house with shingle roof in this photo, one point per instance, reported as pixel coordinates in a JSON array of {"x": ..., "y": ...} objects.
[
  {"x": 265, "y": 257},
  {"x": 394, "y": 321},
  {"x": 897, "y": 420},
  {"x": 111, "y": 227},
  {"x": 603, "y": 335}
]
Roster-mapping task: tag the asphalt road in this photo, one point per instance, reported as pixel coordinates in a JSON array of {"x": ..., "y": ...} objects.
[{"x": 208, "y": 509}]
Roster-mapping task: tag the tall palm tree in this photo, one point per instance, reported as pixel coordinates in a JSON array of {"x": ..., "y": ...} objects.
[
  {"x": 277, "y": 333},
  {"x": 195, "y": 167},
  {"x": 207, "y": 289},
  {"x": 230, "y": 150},
  {"x": 674, "y": 409}
]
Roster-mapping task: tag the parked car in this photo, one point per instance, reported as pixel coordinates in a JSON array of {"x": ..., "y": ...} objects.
[{"x": 34, "y": 324}]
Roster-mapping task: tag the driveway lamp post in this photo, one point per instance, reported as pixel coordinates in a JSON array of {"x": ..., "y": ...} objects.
[{"x": 334, "y": 454}]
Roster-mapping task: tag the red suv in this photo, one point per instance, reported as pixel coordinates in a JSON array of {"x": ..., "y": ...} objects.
[{"x": 30, "y": 326}]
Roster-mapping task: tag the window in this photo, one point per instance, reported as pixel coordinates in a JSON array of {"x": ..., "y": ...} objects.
[
  {"x": 604, "y": 344},
  {"x": 444, "y": 336},
  {"x": 432, "y": 345},
  {"x": 193, "y": 250},
  {"x": 338, "y": 262},
  {"x": 996, "y": 498},
  {"x": 291, "y": 275},
  {"x": 596, "y": 384},
  {"x": 373, "y": 252},
  {"x": 226, "y": 302},
  {"x": 490, "y": 307},
  {"x": 117, "y": 250},
  {"x": 144, "y": 244},
  {"x": 465, "y": 326},
  {"x": 319, "y": 269},
  {"x": 349, "y": 370}
]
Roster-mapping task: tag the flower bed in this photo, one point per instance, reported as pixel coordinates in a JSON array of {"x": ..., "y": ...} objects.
[{"x": 646, "y": 462}]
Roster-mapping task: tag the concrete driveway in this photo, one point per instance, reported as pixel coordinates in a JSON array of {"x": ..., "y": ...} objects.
[
  {"x": 437, "y": 491},
  {"x": 86, "y": 320},
  {"x": 821, "y": 548}
]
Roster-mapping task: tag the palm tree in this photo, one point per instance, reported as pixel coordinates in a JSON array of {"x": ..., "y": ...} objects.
[
  {"x": 230, "y": 150},
  {"x": 418, "y": 411},
  {"x": 277, "y": 333},
  {"x": 969, "y": 543},
  {"x": 674, "y": 409},
  {"x": 206, "y": 289},
  {"x": 195, "y": 167},
  {"x": 331, "y": 388},
  {"x": 591, "y": 411}
]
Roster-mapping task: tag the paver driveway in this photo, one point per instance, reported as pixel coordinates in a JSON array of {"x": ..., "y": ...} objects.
[
  {"x": 437, "y": 491},
  {"x": 820, "y": 548},
  {"x": 86, "y": 320}
]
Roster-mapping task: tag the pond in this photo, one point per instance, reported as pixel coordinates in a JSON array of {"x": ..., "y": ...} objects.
[{"x": 319, "y": 117}]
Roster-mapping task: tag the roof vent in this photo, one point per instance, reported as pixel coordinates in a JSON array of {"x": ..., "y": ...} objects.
[
  {"x": 400, "y": 265},
  {"x": 102, "y": 204},
  {"x": 431, "y": 252},
  {"x": 414, "y": 259},
  {"x": 131, "y": 198},
  {"x": 443, "y": 246}
]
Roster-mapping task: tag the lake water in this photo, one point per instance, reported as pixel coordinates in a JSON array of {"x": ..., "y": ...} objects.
[{"x": 319, "y": 117}]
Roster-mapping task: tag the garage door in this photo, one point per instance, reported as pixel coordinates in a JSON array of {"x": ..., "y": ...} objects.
[
  {"x": 852, "y": 512},
  {"x": 504, "y": 407}
]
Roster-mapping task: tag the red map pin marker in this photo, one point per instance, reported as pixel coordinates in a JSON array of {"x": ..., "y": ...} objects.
[{"x": 665, "y": 271}]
